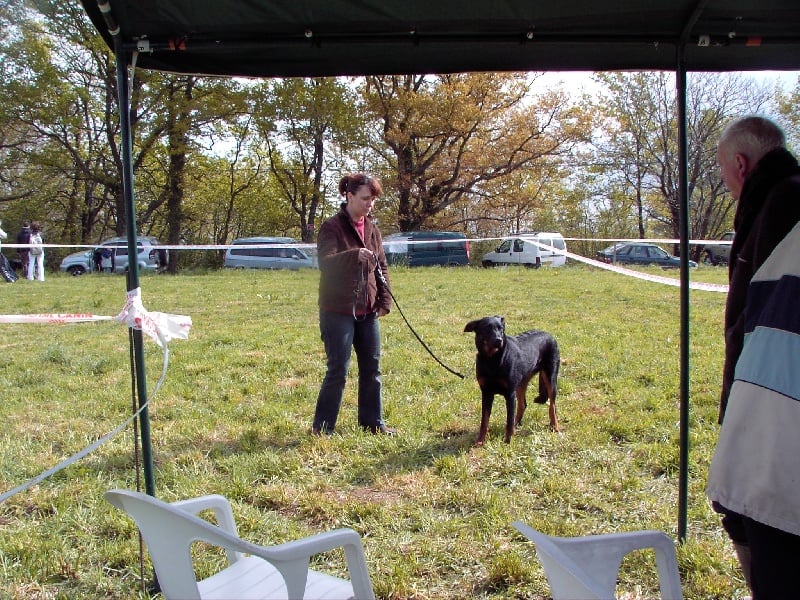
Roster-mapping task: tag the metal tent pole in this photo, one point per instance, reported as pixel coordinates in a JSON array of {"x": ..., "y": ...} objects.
[
  {"x": 683, "y": 194},
  {"x": 123, "y": 92}
]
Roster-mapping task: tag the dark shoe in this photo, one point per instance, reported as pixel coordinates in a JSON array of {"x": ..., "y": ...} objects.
[{"x": 383, "y": 430}]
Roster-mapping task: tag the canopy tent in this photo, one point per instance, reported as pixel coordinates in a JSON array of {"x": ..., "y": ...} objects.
[
  {"x": 271, "y": 38},
  {"x": 305, "y": 38}
]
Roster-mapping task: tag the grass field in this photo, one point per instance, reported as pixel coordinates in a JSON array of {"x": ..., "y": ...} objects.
[{"x": 234, "y": 413}]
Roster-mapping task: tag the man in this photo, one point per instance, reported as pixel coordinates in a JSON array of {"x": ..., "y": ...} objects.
[
  {"x": 6, "y": 271},
  {"x": 24, "y": 237},
  {"x": 751, "y": 470}
]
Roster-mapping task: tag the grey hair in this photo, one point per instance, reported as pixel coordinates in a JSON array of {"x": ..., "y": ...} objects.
[{"x": 752, "y": 136}]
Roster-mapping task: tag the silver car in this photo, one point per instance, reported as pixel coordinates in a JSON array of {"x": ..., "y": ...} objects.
[
  {"x": 267, "y": 253},
  {"x": 89, "y": 261}
]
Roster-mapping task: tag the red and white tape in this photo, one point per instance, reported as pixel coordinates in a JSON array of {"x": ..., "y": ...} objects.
[{"x": 161, "y": 327}]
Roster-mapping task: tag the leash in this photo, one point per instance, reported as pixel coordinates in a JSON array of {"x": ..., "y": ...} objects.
[{"x": 379, "y": 274}]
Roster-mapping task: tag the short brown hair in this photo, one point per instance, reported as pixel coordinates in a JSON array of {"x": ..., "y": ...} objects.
[{"x": 352, "y": 181}]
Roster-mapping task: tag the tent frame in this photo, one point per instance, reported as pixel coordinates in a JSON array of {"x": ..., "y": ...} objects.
[{"x": 778, "y": 50}]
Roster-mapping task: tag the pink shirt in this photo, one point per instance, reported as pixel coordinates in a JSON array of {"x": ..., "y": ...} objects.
[{"x": 360, "y": 227}]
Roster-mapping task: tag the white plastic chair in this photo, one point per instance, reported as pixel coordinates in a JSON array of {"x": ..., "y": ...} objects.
[
  {"x": 587, "y": 567},
  {"x": 254, "y": 572}
]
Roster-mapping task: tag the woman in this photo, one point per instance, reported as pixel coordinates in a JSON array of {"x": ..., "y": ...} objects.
[
  {"x": 36, "y": 254},
  {"x": 352, "y": 296}
]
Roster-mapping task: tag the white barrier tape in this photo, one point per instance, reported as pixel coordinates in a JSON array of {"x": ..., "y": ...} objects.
[
  {"x": 53, "y": 318},
  {"x": 122, "y": 245},
  {"x": 93, "y": 446},
  {"x": 708, "y": 287},
  {"x": 72, "y": 459},
  {"x": 162, "y": 327},
  {"x": 172, "y": 322},
  {"x": 650, "y": 240},
  {"x": 312, "y": 245},
  {"x": 159, "y": 326}
]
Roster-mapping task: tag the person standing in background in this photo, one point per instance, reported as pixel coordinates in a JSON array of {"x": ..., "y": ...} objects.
[
  {"x": 36, "y": 254},
  {"x": 24, "y": 237},
  {"x": 6, "y": 270}
]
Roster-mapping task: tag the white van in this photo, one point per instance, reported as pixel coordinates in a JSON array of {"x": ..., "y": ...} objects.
[{"x": 521, "y": 250}]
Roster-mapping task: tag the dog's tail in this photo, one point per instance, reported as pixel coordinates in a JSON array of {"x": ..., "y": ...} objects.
[{"x": 551, "y": 363}]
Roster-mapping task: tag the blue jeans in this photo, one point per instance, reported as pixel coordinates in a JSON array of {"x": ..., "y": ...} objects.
[{"x": 340, "y": 334}]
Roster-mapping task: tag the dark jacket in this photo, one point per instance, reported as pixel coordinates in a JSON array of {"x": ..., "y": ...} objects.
[
  {"x": 24, "y": 237},
  {"x": 768, "y": 208},
  {"x": 346, "y": 285}
]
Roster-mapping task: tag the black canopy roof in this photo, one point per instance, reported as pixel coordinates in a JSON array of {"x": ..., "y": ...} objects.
[{"x": 283, "y": 38}]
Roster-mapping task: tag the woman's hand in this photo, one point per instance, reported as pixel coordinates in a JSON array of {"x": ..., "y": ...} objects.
[{"x": 365, "y": 255}]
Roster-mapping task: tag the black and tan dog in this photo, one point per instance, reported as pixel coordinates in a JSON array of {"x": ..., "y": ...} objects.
[{"x": 505, "y": 364}]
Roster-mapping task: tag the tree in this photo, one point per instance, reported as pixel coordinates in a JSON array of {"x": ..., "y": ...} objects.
[
  {"x": 789, "y": 113},
  {"x": 299, "y": 120},
  {"x": 238, "y": 182},
  {"x": 174, "y": 113},
  {"x": 67, "y": 126},
  {"x": 457, "y": 138},
  {"x": 58, "y": 157},
  {"x": 638, "y": 154}
]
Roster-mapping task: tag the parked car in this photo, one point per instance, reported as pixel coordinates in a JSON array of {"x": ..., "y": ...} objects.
[
  {"x": 522, "y": 250},
  {"x": 423, "y": 248},
  {"x": 82, "y": 262},
  {"x": 717, "y": 254},
  {"x": 640, "y": 253},
  {"x": 267, "y": 253}
]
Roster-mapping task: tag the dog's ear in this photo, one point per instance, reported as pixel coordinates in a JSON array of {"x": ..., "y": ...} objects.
[
  {"x": 470, "y": 326},
  {"x": 502, "y": 321}
]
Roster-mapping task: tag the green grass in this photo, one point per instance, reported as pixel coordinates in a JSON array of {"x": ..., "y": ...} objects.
[{"x": 234, "y": 413}]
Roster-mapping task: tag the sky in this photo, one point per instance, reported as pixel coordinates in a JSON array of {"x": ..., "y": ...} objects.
[{"x": 578, "y": 82}]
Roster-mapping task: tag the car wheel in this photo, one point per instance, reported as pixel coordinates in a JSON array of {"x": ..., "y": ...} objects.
[
  {"x": 487, "y": 264},
  {"x": 76, "y": 270},
  {"x": 708, "y": 258}
]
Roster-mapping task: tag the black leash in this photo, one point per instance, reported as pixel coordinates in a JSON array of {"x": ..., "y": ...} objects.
[{"x": 379, "y": 274}]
